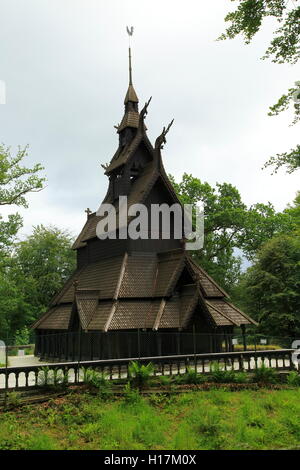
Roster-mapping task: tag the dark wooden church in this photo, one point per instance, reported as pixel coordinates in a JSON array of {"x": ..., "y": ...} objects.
[{"x": 136, "y": 297}]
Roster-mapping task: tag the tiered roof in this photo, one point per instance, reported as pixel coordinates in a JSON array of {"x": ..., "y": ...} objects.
[{"x": 141, "y": 291}]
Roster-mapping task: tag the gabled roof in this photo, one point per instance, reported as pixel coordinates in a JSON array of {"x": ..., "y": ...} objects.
[
  {"x": 101, "y": 276},
  {"x": 123, "y": 155},
  {"x": 139, "y": 191},
  {"x": 208, "y": 286},
  {"x": 227, "y": 310},
  {"x": 87, "y": 303},
  {"x": 170, "y": 266}
]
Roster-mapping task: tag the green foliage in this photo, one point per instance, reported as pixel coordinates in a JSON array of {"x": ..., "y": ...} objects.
[
  {"x": 247, "y": 20},
  {"x": 219, "y": 375},
  {"x": 16, "y": 181},
  {"x": 291, "y": 160},
  {"x": 229, "y": 225},
  {"x": 95, "y": 378},
  {"x": 165, "y": 380},
  {"x": 293, "y": 378},
  {"x": 41, "y": 442},
  {"x": 140, "y": 374},
  {"x": 285, "y": 101},
  {"x": 265, "y": 375},
  {"x": 131, "y": 395},
  {"x": 218, "y": 419},
  {"x": 99, "y": 380},
  {"x": 22, "y": 336},
  {"x": 190, "y": 377},
  {"x": 271, "y": 287},
  {"x": 38, "y": 268},
  {"x": 13, "y": 399}
]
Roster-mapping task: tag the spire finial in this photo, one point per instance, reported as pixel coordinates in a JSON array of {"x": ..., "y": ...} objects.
[{"x": 130, "y": 33}]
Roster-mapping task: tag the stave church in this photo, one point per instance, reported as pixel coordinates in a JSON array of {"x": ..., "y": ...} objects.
[{"x": 138, "y": 297}]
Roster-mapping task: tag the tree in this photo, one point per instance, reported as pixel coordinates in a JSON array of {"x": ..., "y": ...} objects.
[
  {"x": 271, "y": 287},
  {"x": 16, "y": 181},
  {"x": 247, "y": 20},
  {"x": 229, "y": 225},
  {"x": 39, "y": 267}
]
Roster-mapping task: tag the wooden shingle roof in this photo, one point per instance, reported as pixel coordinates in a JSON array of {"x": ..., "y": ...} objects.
[{"x": 141, "y": 290}]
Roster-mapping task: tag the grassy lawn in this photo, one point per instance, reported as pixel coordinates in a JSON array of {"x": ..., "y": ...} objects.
[{"x": 215, "y": 419}]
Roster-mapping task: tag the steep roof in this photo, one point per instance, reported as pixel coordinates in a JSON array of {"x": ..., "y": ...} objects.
[{"x": 141, "y": 290}]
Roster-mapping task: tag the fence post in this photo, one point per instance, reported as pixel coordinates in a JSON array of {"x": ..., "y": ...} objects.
[
  {"x": 241, "y": 362},
  {"x": 139, "y": 343},
  {"x": 244, "y": 337},
  {"x": 6, "y": 375},
  {"x": 79, "y": 355},
  {"x": 292, "y": 365},
  {"x": 194, "y": 345}
]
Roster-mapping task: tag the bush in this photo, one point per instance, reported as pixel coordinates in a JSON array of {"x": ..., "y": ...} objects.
[
  {"x": 98, "y": 380},
  {"x": 131, "y": 395},
  {"x": 22, "y": 336},
  {"x": 139, "y": 374},
  {"x": 293, "y": 379},
  {"x": 265, "y": 374},
  {"x": 165, "y": 380},
  {"x": 241, "y": 377},
  {"x": 13, "y": 399},
  {"x": 190, "y": 377},
  {"x": 95, "y": 378},
  {"x": 221, "y": 376}
]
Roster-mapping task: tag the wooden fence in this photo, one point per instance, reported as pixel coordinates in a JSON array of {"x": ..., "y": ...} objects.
[{"x": 73, "y": 372}]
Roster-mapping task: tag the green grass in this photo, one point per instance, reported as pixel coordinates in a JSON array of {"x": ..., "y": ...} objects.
[{"x": 215, "y": 419}]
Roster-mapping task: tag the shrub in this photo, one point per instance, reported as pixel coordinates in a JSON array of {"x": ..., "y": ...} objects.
[
  {"x": 131, "y": 395},
  {"x": 158, "y": 399},
  {"x": 221, "y": 376},
  {"x": 95, "y": 378},
  {"x": 265, "y": 374},
  {"x": 293, "y": 378},
  {"x": 241, "y": 377},
  {"x": 190, "y": 377},
  {"x": 139, "y": 374},
  {"x": 165, "y": 380},
  {"x": 22, "y": 336},
  {"x": 98, "y": 380},
  {"x": 13, "y": 399}
]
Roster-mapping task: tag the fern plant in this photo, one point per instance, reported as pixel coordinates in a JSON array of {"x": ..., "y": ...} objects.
[
  {"x": 139, "y": 374},
  {"x": 221, "y": 376},
  {"x": 265, "y": 374}
]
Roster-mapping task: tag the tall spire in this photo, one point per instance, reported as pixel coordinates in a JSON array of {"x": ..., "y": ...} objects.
[
  {"x": 130, "y": 68},
  {"x": 131, "y": 94},
  {"x": 131, "y": 116}
]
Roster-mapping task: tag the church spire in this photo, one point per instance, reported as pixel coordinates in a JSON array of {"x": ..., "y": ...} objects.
[
  {"x": 131, "y": 94},
  {"x": 131, "y": 115}
]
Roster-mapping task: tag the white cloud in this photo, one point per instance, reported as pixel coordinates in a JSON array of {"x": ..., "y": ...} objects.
[{"x": 65, "y": 63}]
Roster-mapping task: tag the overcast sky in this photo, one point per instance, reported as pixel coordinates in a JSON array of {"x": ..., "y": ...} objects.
[{"x": 65, "y": 65}]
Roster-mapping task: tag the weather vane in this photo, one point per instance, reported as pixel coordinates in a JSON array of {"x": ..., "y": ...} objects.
[{"x": 129, "y": 32}]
